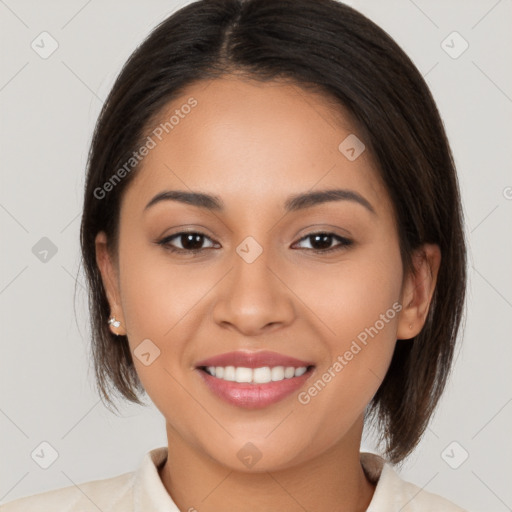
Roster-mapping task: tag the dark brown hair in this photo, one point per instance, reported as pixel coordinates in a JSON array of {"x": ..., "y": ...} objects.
[{"x": 320, "y": 45}]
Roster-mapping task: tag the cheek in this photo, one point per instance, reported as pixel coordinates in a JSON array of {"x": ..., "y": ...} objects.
[
  {"x": 156, "y": 295},
  {"x": 346, "y": 298},
  {"x": 369, "y": 318},
  {"x": 359, "y": 308},
  {"x": 158, "y": 305}
]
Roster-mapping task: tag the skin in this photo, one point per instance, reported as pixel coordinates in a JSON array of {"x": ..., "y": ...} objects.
[{"x": 254, "y": 144}]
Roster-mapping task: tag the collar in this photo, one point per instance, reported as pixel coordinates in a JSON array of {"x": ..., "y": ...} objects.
[
  {"x": 391, "y": 492},
  {"x": 149, "y": 493}
]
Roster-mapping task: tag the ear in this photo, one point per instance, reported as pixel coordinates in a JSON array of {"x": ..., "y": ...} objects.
[
  {"x": 417, "y": 291},
  {"x": 109, "y": 276}
]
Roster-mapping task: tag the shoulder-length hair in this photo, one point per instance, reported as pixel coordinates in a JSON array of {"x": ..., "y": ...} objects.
[{"x": 323, "y": 46}]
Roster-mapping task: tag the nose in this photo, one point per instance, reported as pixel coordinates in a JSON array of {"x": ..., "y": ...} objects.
[{"x": 253, "y": 298}]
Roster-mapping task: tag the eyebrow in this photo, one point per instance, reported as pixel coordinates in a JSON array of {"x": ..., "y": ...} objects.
[{"x": 292, "y": 203}]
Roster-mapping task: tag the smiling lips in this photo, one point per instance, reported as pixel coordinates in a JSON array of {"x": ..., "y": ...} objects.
[{"x": 253, "y": 379}]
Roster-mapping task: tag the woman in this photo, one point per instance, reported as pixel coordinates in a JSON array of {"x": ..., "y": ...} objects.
[{"x": 273, "y": 239}]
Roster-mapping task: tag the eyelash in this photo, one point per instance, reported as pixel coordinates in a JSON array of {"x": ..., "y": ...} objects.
[{"x": 165, "y": 242}]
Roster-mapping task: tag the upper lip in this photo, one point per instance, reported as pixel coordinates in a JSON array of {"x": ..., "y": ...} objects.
[{"x": 253, "y": 360}]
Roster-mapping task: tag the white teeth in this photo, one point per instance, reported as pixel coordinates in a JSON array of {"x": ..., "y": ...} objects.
[
  {"x": 300, "y": 371},
  {"x": 229, "y": 373},
  {"x": 243, "y": 375},
  {"x": 289, "y": 372},
  {"x": 277, "y": 373},
  {"x": 261, "y": 375}
]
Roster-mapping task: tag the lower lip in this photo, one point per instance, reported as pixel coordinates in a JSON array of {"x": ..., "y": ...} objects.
[{"x": 253, "y": 396}]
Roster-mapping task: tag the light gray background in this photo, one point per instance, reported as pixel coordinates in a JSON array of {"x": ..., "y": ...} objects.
[{"x": 48, "y": 111}]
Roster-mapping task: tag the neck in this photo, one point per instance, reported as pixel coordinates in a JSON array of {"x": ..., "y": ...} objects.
[{"x": 334, "y": 480}]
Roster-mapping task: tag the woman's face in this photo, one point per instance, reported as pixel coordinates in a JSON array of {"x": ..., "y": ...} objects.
[{"x": 258, "y": 285}]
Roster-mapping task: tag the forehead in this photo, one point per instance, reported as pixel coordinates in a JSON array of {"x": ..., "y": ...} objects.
[{"x": 251, "y": 142}]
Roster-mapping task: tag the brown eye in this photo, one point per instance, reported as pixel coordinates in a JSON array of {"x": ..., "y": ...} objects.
[
  {"x": 190, "y": 241},
  {"x": 322, "y": 242}
]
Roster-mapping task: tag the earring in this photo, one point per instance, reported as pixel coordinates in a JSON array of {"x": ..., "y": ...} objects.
[
  {"x": 112, "y": 321},
  {"x": 410, "y": 326}
]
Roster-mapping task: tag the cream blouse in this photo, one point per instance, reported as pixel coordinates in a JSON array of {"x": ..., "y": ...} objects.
[{"x": 143, "y": 491}]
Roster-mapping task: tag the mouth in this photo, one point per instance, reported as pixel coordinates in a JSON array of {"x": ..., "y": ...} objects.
[
  {"x": 261, "y": 375},
  {"x": 254, "y": 380}
]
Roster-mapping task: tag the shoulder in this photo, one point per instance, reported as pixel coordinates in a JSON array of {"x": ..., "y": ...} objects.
[
  {"x": 393, "y": 494},
  {"x": 109, "y": 494},
  {"x": 140, "y": 490}
]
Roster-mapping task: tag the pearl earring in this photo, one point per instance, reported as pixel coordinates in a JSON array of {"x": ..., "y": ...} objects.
[{"x": 112, "y": 321}]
